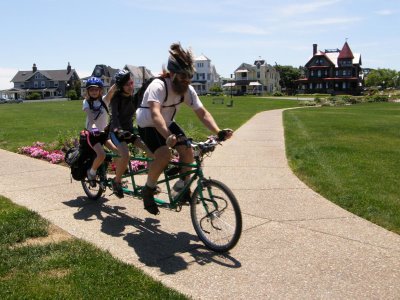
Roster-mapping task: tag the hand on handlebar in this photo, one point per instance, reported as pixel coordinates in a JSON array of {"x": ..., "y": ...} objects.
[
  {"x": 171, "y": 140},
  {"x": 225, "y": 134},
  {"x": 123, "y": 134}
]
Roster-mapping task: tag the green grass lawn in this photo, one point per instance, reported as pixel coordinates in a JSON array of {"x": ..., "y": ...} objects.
[
  {"x": 350, "y": 155},
  {"x": 71, "y": 269},
  {"x": 74, "y": 269},
  {"x": 24, "y": 124}
]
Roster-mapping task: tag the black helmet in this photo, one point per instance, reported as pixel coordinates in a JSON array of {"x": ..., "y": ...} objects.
[
  {"x": 122, "y": 77},
  {"x": 94, "y": 81},
  {"x": 180, "y": 60}
]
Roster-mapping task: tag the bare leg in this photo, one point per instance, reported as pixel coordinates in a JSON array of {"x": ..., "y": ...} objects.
[
  {"x": 100, "y": 156},
  {"x": 122, "y": 161},
  {"x": 161, "y": 159}
]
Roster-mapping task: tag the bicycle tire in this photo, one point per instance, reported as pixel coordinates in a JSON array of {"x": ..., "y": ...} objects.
[
  {"x": 219, "y": 228},
  {"x": 94, "y": 193}
]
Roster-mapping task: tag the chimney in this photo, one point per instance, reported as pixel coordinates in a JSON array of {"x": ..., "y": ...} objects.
[
  {"x": 314, "y": 50},
  {"x": 34, "y": 69},
  {"x": 68, "y": 68}
]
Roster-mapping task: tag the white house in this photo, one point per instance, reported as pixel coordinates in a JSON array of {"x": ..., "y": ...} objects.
[{"x": 206, "y": 75}]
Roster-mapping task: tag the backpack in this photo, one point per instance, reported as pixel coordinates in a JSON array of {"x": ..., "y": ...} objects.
[
  {"x": 102, "y": 104},
  {"x": 80, "y": 158},
  {"x": 138, "y": 96}
]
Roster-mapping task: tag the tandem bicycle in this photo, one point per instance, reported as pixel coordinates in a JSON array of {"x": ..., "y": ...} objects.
[{"x": 214, "y": 209}]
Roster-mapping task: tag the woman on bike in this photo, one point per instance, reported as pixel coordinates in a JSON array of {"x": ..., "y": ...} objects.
[
  {"x": 155, "y": 118},
  {"x": 96, "y": 108},
  {"x": 121, "y": 126}
]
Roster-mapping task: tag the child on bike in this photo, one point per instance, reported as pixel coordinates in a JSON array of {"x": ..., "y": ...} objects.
[
  {"x": 121, "y": 126},
  {"x": 96, "y": 108}
]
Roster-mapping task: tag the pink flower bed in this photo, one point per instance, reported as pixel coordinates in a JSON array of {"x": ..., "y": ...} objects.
[{"x": 37, "y": 151}]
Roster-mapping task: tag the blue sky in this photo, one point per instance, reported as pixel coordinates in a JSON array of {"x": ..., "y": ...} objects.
[{"x": 52, "y": 33}]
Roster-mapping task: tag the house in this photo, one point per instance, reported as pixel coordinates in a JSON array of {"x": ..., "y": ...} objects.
[
  {"x": 105, "y": 73},
  {"x": 332, "y": 71},
  {"x": 139, "y": 75},
  {"x": 48, "y": 83},
  {"x": 206, "y": 75},
  {"x": 257, "y": 78}
]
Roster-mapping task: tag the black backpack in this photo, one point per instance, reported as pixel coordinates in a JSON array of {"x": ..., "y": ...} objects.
[
  {"x": 80, "y": 158},
  {"x": 138, "y": 96}
]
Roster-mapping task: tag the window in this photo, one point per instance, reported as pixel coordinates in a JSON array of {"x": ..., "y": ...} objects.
[
  {"x": 55, "y": 83},
  {"x": 22, "y": 85},
  {"x": 200, "y": 65},
  {"x": 37, "y": 76},
  {"x": 258, "y": 75},
  {"x": 42, "y": 84},
  {"x": 319, "y": 73},
  {"x": 35, "y": 84}
]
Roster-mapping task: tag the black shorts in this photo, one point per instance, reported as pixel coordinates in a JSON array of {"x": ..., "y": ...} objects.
[
  {"x": 101, "y": 138},
  {"x": 153, "y": 139},
  {"x": 116, "y": 141}
]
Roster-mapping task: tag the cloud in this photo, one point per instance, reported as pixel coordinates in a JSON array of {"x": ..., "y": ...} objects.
[
  {"x": 385, "y": 12},
  {"x": 6, "y": 74},
  {"x": 242, "y": 29},
  {"x": 304, "y": 8},
  {"x": 327, "y": 21}
]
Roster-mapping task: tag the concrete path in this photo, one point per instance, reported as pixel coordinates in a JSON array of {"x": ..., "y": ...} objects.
[{"x": 295, "y": 244}]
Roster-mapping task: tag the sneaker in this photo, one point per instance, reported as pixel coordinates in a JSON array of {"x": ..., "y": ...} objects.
[
  {"x": 148, "y": 200},
  {"x": 187, "y": 195},
  {"x": 117, "y": 189},
  {"x": 91, "y": 178},
  {"x": 177, "y": 188}
]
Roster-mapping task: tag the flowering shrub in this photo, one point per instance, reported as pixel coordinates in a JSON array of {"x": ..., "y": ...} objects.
[{"x": 37, "y": 151}]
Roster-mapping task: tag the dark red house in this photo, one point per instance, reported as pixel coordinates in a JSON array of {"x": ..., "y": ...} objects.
[{"x": 332, "y": 72}]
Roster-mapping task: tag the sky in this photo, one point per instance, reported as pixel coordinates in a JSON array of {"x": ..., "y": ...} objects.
[{"x": 52, "y": 33}]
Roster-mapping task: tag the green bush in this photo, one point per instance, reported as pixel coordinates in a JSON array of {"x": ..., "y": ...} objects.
[
  {"x": 346, "y": 98},
  {"x": 72, "y": 95},
  {"x": 277, "y": 94},
  {"x": 307, "y": 103},
  {"x": 340, "y": 102},
  {"x": 34, "y": 96}
]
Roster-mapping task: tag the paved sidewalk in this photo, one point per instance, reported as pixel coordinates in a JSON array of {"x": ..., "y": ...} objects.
[{"x": 295, "y": 244}]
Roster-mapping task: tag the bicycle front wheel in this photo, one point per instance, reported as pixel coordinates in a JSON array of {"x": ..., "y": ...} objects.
[{"x": 216, "y": 216}]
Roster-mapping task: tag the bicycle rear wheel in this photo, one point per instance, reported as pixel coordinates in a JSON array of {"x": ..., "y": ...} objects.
[
  {"x": 216, "y": 216},
  {"x": 94, "y": 192}
]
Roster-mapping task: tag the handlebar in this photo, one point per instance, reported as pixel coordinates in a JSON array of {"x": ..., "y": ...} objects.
[{"x": 201, "y": 148}]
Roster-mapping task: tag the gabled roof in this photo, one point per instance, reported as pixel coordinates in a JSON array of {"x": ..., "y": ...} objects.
[
  {"x": 333, "y": 56},
  {"x": 346, "y": 53},
  {"x": 138, "y": 71},
  {"x": 56, "y": 75},
  {"x": 202, "y": 57},
  {"x": 103, "y": 70},
  {"x": 245, "y": 66}
]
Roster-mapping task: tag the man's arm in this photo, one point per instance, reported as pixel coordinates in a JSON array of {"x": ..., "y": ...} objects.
[
  {"x": 159, "y": 122},
  {"x": 207, "y": 119}
]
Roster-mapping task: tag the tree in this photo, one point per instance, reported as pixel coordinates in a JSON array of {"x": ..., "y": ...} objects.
[
  {"x": 383, "y": 77},
  {"x": 288, "y": 75}
]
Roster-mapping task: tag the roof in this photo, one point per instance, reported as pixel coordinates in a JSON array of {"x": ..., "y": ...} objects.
[
  {"x": 333, "y": 57},
  {"x": 103, "y": 70},
  {"x": 138, "y": 71},
  {"x": 202, "y": 57},
  {"x": 56, "y": 75},
  {"x": 346, "y": 52}
]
